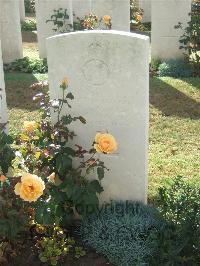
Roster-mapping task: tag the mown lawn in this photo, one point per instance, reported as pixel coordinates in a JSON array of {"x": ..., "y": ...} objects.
[
  {"x": 20, "y": 98},
  {"x": 174, "y": 139}
]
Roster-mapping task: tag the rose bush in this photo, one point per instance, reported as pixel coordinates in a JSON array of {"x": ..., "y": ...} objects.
[
  {"x": 51, "y": 185},
  {"x": 136, "y": 15},
  {"x": 60, "y": 21},
  {"x": 13, "y": 214}
]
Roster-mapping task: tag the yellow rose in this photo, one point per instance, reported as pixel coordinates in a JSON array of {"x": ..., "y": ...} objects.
[
  {"x": 52, "y": 177},
  {"x": 107, "y": 19},
  {"x": 30, "y": 126},
  {"x": 105, "y": 143},
  {"x": 65, "y": 83},
  {"x": 138, "y": 17},
  {"x": 2, "y": 178},
  {"x": 30, "y": 188},
  {"x": 24, "y": 137}
]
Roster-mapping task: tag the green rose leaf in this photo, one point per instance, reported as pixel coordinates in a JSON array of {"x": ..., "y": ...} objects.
[
  {"x": 95, "y": 186},
  {"x": 100, "y": 173},
  {"x": 63, "y": 164},
  {"x": 70, "y": 96}
]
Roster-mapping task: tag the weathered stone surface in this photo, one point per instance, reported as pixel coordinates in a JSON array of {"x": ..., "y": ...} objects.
[
  {"x": 10, "y": 30},
  {"x": 22, "y": 10},
  {"x": 164, "y": 37},
  {"x": 146, "y": 6},
  {"x": 109, "y": 77},
  {"x": 119, "y": 10},
  {"x": 3, "y": 105}
]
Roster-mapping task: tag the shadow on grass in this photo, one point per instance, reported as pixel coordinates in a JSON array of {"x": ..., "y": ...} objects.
[
  {"x": 195, "y": 82},
  {"x": 164, "y": 97},
  {"x": 172, "y": 102},
  {"x": 19, "y": 94}
]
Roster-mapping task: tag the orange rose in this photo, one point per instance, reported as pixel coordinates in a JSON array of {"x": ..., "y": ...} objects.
[
  {"x": 107, "y": 19},
  {"x": 30, "y": 126},
  {"x": 30, "y": 188},
  {"x": 2, "y": 178},
  {"x": 105, "y": 143},
  {"x": 139, "y": 17}
]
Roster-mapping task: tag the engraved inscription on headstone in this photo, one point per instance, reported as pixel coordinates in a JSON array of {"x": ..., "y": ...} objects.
[{"x": 95, "y": 71}]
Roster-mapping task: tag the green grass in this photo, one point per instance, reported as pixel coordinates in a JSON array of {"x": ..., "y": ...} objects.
[
  {"x": 19, "y": 98},
  {"x": 29, "y": 45},
  {"x": 174, "y": 130}
]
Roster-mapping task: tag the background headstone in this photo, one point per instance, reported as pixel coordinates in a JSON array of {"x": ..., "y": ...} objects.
[
  {"x": 81, "y": 7},
  {"x": 10, "y": 31},
  {"x": 164, "y": 37},
  {"x": 44, "y": 10},
  {"x": 119, "y": 10},
  {"x": 109, "y": 77},
  {"x": 146, "y": 6},
  {"x": 22, "y": 10},
  {"x": 3, "y": 105}
]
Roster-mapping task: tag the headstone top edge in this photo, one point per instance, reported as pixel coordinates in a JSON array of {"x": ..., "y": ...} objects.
[{"x": 106, "y": 32}]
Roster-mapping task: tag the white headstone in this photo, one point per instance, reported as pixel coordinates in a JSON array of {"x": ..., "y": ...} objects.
[
  {"x": 164, "y": 37},
  {"x": 119, "y": 10},
  {"x": 3, "y": 105},
  {"x": 22, "y": 10},
  {"x": 109, "y": 77},
  {"x": 10, "y": 31},
  {"x": 145, "y": 5},
  {"x": 44, "y": 10}
]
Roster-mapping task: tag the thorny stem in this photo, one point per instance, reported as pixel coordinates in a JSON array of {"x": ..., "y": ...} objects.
[
  {"x": 61, "y": 106},
  {"x": 92, "y": 156}
]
